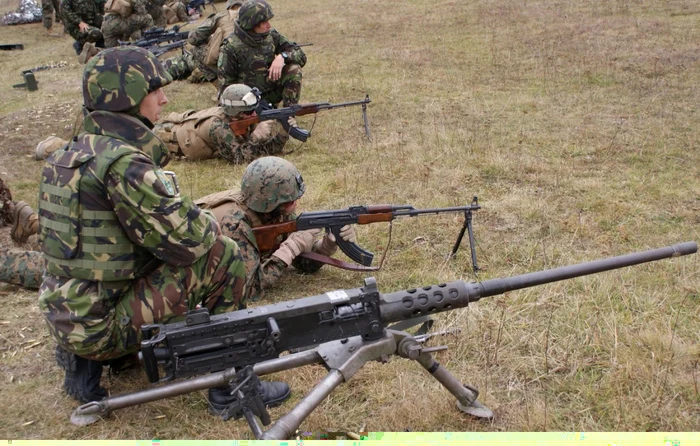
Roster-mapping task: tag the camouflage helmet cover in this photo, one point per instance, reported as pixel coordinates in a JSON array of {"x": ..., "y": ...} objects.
[
  {"x": 269, "y": 182},
  {"x": 119, "y": 78},
  {"x": 233, "y": 3},
  {"x": 238, "y": 98},
  {"x": 253, "y": 12}
]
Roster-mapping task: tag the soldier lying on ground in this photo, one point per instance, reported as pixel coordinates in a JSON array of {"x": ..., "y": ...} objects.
[
  {"x": 269, "y": 190},
  {"x": 206, "y": 134},
  {"x": 200, "y": 64},
  {"x": 257, "y": 55},
  {"x": 134, "y": 251}
]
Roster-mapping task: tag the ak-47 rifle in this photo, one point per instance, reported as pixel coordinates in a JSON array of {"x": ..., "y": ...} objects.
[
  {"x": 266, "y": 236},
  {"x": 351, "y": 326},
  {"x": 240, "y": 126}
]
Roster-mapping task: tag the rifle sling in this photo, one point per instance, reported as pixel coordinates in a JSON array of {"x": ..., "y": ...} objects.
[{"x": 337, "y": 263}]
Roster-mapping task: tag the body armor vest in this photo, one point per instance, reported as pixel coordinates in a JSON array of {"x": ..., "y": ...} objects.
[
  {"x": 224, "y": 27},
  {"x": 191, "y": 130},
  {"x": 80, "y": 234}
]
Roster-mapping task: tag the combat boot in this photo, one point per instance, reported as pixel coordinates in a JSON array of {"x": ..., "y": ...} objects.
[
  {"x": 273, "y": 394},
  {"x": 82, "y": 380},
  {"x": 89, "y": 50},
  {"x": 77, "y": 47},
  {"x": 25, "y": 222}
]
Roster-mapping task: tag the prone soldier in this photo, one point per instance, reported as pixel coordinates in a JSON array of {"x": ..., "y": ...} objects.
[
  {"x": 207, "y": 134},
  {"x": 259, "y": 56}
]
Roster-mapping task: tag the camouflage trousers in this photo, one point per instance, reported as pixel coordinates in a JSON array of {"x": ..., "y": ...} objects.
[
  {"x": 47, "y": 9},
  {"x": 101, "y": 324},
  {"x": 182, "y": 67},
  {"x": 176, "y": 12},
  {"x": 288, "y": 87},
  {"x": 157, "y": 14},
  {"x": 20, "y": 267},
  {"x": 116, "y": 28}
]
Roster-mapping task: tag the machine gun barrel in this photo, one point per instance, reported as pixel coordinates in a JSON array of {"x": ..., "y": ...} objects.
[{"x": 437, "y": 298}]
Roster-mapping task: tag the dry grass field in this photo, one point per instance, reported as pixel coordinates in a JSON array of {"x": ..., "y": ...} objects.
[{"x": 576, "y": 124}]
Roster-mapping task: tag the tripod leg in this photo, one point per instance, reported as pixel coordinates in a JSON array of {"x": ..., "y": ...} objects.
[{"x": 466, "y": 395}]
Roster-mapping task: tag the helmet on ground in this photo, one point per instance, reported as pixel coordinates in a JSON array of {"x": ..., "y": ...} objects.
[
  {"x": 119, "y": 78},
  {"x": 238, "y": 98},
  {"x": 253, "y": 12},
  {"x": 233, "y": 3},
  {"x": 269, "y": 182}
]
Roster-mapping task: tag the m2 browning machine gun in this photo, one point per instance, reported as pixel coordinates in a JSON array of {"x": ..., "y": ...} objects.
[
  {"x": 351, "y": 326},
  {"x": 266, "y": 236}
]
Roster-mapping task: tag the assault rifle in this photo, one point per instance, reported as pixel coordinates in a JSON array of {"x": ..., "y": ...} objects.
[
  {"x": 351, "y": 326},
  {"x": 266, "y": 236},
  {"x": 159, "y": 50},
  {"x": 240, "y": 126}
]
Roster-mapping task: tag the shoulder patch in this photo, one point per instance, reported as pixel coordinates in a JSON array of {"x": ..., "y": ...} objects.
[{"x": 167, "y": 183}]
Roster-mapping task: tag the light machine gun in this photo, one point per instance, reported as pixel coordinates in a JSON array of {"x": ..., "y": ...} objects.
[{"x": 351, "y": 326}]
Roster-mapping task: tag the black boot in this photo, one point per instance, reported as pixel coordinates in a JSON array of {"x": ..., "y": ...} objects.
[
  {"x": 82, "y": 380},
  {"x": 273, "y": 393}
]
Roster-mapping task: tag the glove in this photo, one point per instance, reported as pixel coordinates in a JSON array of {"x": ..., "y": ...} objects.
[
  {"x": 327, "y": 246},
  {"x": 296, "y": 243}
]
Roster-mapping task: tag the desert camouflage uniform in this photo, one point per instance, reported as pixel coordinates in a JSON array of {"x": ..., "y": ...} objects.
[
  {"x": 75, "y": 11},
  {"x": 155, "y": 10},
  {"x": 263, "y": 269},
  {"x": 122, "y": 247},
  {"x": 47, "y": 9},
  {"x": 23, "y": 268},
  {"x": 221, "y": 141},
  {"x": 246, "y": 57},
  {"x": 181, "y": 67},
  {"x": 116, "y": 28}
]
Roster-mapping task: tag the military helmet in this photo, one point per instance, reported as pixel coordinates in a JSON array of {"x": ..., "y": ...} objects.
[
  {"x": 233, "y": 3},
  {"x": 253, "y": 12},
  {"x": 269, "y": 182},
  {"x": 238, "y": 98},
  {"x": 94, "y": 35},
  {"x": 119, "y": 78}
]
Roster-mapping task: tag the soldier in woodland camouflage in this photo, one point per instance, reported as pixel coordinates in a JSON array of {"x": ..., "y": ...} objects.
[
  {"x": 82, "y": 19},
  {"x": 123, "y": 248},
  {"x": 206, "y": 134},
  {"x": 126, "y": 23},
  {"x": 47, "y": 12},
  {"x": 270, "y": 188},
  {"x": 259, "y": 56},
  {"x": 200, "y": 64},
  {"x": 154, "y": 8}
]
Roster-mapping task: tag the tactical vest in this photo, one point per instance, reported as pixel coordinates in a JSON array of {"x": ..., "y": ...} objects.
[
  {"x": 253, "y": 63},
  {"x": 191, "y": 130},
  {"x": 80, "y": 234},
  {"x": 224, "y": 27}
]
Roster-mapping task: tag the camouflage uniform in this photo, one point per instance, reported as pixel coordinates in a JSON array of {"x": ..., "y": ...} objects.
[
  {"x": 23, "y": 268},
  {"x": 122, "y": 247},
  {"x": 246, "y": 57},
  {"x": 155, "y": 10},
  {"x": 181, "y": 67},
  {"x": 211, "y": 128},
  {"x": 263, "y": 269},
  {"x": 176, "y": 12},
  {"x": 116, "y": 28},
  {"x": 75, "y": 11},
  {"x": 47, "y": 9}
]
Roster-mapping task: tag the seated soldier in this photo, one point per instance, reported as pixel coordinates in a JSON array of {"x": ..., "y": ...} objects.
[
  {"x": 200, "y": 64},
  {"x": 82, "y": 19},
  {"x": 122, "y": 247},
  {"x": 175, "y": 12},
  {"x": 154, "y": 8},
  {"x": 259, "y": 56},
  {"x": 270, "y": 189},
  {"x": 206, "y": 134},
  {"x": 125, "y": 20}
]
